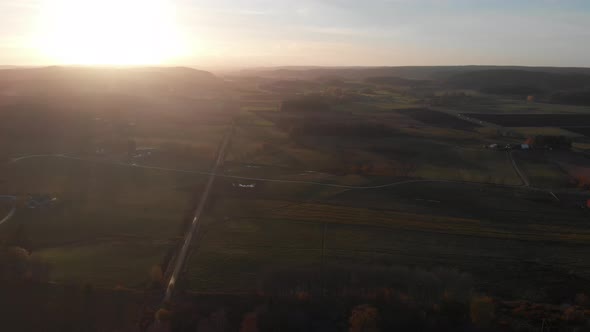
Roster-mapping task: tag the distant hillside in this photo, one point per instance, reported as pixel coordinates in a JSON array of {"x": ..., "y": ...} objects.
[
  {"x": 509, "y": 81},
  {"x": 98, "y": 79},
  {"x": 289, "y": 85},
  {"x": 573, "y": 97},
  {"x": 408, "y": 72},
  {"x": 396, "y": 81}
]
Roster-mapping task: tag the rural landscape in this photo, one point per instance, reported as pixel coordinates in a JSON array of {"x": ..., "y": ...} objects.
[{"x": 401, "y": 198}]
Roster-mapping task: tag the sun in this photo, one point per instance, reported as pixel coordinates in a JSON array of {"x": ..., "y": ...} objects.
[{"x": 110, "y": 32}]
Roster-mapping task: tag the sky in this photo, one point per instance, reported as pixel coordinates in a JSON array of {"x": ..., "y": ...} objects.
[{"x": 237, "y": 33}]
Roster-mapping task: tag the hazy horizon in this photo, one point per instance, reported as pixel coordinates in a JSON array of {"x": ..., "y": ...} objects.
[{"x": 238, "y": 34}]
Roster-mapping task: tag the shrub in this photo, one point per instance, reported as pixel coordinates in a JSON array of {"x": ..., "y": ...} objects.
[{"x": 482, "y": 310}]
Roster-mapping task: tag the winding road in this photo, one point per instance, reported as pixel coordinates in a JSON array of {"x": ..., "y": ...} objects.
[
  {"x": 316, "y": 183},
  {"x": 526, "y": 184},
  {"x": 9, "y": 215},
  {"x": 12, "y": 211}
]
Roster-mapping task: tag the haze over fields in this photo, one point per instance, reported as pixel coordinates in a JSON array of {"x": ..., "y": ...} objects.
[
  {"x": 261, "y": 166},
  {"x": 171, "y": 188}
]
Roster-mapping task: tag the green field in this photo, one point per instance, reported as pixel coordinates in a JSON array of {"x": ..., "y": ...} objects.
[
  {"x": 240, "y": 255},
  {"x": 440, "y": 154},
  {"x": 462, "y": 210},
  {"x": 110, "y": 263},
  {"x": 542, "y": 172},
  {"x": 534, "y": 131},
  {"x": 262, "y": 241},
  {"x": 109, "y": 222},
  {"x": 112, "y": 220},
  {"x": 483, "y": 103}
]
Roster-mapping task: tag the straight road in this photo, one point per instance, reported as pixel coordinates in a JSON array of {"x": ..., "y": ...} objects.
[{"x": 195, "y": 224}]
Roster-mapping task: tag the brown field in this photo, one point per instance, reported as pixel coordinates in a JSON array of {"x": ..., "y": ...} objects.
[
  {"x": 534, "y": 120},
  {"x": 437, "y": 119},
  {"x": 585, "y": 131}
]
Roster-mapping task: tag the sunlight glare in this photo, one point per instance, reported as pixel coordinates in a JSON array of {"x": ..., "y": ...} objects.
[{"x": 120, "y": 32}]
